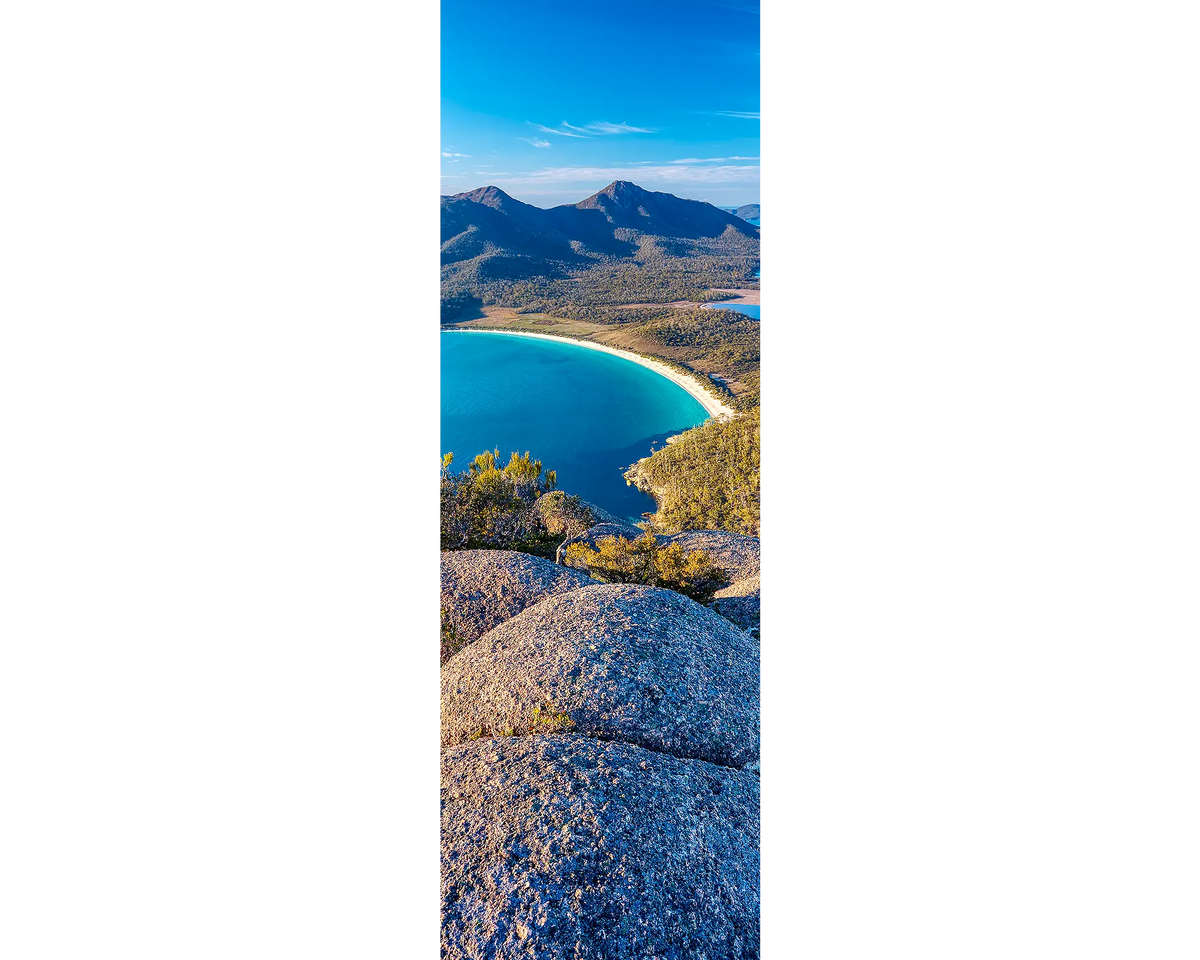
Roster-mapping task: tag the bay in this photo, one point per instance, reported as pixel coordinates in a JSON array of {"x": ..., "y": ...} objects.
[{"x": 585, "y": 414}]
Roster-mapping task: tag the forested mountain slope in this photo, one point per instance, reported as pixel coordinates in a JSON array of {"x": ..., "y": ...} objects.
[{"x": 610, "y": 223}]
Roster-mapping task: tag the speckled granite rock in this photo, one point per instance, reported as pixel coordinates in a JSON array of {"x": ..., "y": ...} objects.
[
  {"x": 740, "y": 603},
  {"x": 483, "y": 588},
  {"x": 614, "y": 661},
  {"x": 570, "y": 848}
]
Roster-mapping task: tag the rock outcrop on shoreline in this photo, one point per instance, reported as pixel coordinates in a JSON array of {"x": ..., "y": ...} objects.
[{"x": 621, "y": 817}]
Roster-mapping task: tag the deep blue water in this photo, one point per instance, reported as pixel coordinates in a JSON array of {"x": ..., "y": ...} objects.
[
  {"x": 750, "y": 309},
  {"x": 586, "y": 414}
]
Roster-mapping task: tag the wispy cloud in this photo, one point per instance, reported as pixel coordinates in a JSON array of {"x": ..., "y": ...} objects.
[
  {"x": 446, "y": 153},
  {"x": 712, "y": 159},
  {"x": 556, "y": 131},
  {"x": 535, "y": 141},
  {"x": 597, "y": 128},
  {"x": 604, "y": 128},
  {"x": 740, "y": 114}
]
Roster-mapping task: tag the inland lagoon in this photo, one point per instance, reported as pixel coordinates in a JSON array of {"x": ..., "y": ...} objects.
[{"x": 749, "y": 309}]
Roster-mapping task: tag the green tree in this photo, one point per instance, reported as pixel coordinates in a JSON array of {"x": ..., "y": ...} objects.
[
  {"x": 564, "y": 517},
  {"x": 488, "y": 506}
]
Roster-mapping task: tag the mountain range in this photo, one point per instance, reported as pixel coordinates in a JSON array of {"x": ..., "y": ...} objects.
[{"x": 611, "y": 223}]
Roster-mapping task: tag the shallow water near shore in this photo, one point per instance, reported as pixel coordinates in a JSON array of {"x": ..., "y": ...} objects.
[{"x": 586, "y": 414}]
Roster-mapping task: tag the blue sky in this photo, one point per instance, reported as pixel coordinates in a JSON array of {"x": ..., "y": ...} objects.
[{"x": 551, "y": 101}]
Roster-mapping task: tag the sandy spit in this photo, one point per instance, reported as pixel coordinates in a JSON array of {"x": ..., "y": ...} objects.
[{"x": 693, "y": 385}]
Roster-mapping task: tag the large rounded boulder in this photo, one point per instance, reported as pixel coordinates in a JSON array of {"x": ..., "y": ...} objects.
[
  {"x": 483, "y": 588},
  {"x": 566, "y": 847},
  {"x": 615, "y": 661}
]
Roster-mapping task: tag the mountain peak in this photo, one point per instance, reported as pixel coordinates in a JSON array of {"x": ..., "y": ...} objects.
[
  {"x": 490, "y": 196},
  {"x": 623, "y": 188},
  {"x": 620, "y": 194}
]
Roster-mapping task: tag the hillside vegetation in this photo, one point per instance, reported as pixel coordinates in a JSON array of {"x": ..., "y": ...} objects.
[{"x": 708, "y": 479}]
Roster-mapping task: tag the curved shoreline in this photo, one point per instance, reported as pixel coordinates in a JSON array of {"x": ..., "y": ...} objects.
[{"x": 715, "y": 409}]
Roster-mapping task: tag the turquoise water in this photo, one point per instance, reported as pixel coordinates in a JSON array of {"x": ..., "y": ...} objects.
[
  {"x": 750, "y": 309},
  {"x": 586, "y": 414}
]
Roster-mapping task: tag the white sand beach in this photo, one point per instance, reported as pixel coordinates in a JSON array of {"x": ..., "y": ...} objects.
[{"x": 694, "y": 385}]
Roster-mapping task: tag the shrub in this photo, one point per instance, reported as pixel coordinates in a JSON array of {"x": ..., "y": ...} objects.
[
  {"x": 492, "y": 507},
  {"x": 642, "y": 560}
]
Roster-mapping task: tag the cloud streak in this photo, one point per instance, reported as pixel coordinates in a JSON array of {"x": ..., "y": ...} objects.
[
  {"x": 712, "y": 159},
  {"x": 446, "y": 153},
  {"x": 597, "y": 128},
  {"x": 739, "y": 114},
  {"x": 604, "y": 128},
  {"x": 535, "y": 141},
  {"x": 557, "y": 132}
]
